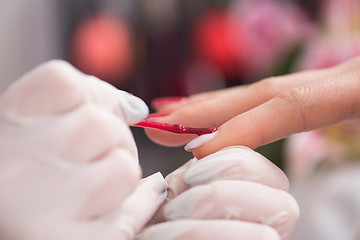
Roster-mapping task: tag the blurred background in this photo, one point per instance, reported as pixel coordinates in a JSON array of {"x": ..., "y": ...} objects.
[{"x": 157, "y": 48}]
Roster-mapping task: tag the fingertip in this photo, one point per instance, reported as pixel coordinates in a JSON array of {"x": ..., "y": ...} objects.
[
  {"x": 133, "y": 108},
  {"x": 207, "y": 144},
  {"x": 168, "y": 104},
  {"x": 167, "y": 138},
  {"x": 199, "y": 141}
]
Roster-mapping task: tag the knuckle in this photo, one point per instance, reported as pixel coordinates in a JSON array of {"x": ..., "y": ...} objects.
[
  {"x": 268, "y": 86},
  {"x": 50, "y": 88},
  {"x": 297, "y": 101},
  {"x": 299, "y": 95},
  {"x": 53, "y": 72}
]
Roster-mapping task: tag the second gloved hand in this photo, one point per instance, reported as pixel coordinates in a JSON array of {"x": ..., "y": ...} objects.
[
  {"x": 235, "y": 193},
  {"x": 69, "y": 166}
]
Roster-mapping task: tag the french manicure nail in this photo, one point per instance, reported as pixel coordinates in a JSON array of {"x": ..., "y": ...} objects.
[
  {"x": 156, "y": 182},
  {"x": 209, "y": 168},
  {"x": 134, "y": 108},
  {"x": 199, "y": 141}
]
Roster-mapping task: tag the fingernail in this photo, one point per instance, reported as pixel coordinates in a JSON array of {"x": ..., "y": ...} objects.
[
  {"x": 175, "y": 180},
  {"x": 157, "y": 102},
  {"x": 185, "y": 205},
  {"x": 199, "y": 141},
  {"x": 211, "y": 167},
  {"x": 155, "y": 182},
  {"x": 134, "y": 108}
]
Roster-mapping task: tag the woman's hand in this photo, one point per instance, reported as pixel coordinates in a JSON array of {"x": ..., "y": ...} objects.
[
  {"x": 231, "y": 194},
  {"x": 69, "y": 166},
  {"x": 266, "y": 111}
]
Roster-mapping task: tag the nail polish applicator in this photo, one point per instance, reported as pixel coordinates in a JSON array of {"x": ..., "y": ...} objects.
[{"x": 149, "y": 122}]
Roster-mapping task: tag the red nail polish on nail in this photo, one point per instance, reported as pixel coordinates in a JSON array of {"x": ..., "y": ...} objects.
[
  {"x": 174, "y": 128},
  {"x": 168, "y": 100}
]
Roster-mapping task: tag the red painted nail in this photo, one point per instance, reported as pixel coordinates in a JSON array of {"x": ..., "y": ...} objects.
[
  {"x": 168, "y": 100},
  {"x": 174, "y": 128}
]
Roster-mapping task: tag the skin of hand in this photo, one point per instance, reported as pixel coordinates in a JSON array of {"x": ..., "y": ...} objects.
[
  {"x": 266, "y": 111},
  {"x": 69, "y": 166},
  {"x": 231, "y": 194}
]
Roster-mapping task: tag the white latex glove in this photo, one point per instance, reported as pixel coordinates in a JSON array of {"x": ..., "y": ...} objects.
[
  {"x": 68, "y": 162},
  {"x": 235, "y": 193}
]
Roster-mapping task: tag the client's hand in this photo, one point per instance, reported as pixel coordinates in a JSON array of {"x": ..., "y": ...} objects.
[
  {"x": 69, "y": 166},
  {"x": 268, "y": 110},
  {"x": 232, "y": 194}
]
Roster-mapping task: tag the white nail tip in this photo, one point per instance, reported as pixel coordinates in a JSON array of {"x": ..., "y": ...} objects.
[
  {"x": 212, "y": 166},
  {"x": 134, "y": 108},
  {"x": 156, "y": 182},
  {"x": 199, "y": 141}
]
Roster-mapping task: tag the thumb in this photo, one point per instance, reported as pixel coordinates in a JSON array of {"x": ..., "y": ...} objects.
[{"x": 314, "y": 105}]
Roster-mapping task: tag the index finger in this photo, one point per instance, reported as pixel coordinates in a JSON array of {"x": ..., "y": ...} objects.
[
  {"x": 212, "y": 110},
  {"x": 312, "y": 106}
]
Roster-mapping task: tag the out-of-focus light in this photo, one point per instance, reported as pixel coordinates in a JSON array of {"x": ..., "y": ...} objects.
[
  {"x": 102, "y": 47},
  {"x": 218, "y": 42},
  {"x": 275, "y": 29},
  {"x": 337, "y": 40}
]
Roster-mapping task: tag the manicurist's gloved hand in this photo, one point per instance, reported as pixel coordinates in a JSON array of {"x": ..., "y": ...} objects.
[
  {"x": 235, "y": 193},
  {"x": 265, "y": 111},
  {"x": 68, "y": 162}
]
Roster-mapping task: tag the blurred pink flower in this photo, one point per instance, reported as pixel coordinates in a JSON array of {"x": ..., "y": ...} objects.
[
  {"x": 305, "y": 153},
  {"x": 275, "y": 28},
  {"x": 338, "y": 38}
]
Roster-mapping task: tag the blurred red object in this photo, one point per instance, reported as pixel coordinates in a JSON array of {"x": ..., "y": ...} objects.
[
  {"x": 217, "y": 42},
  {"x": 102, "y": 47},
  {"x": 275, "y": 29},
  {"x": 252, "y": 38}
]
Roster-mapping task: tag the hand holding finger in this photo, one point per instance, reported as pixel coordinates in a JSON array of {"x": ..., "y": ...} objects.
[{"x": 255, "y": 104}]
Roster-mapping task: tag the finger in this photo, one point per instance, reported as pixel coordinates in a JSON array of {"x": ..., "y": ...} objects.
[
  {"x": 218, "y": 109},
  {"x": 170, "y": 104},
  {"x": 315, "y": 105},
  {"x": 209, "y": 230},
  {"x": 175, "y": 180},
  {"x": 175, "y": 186},
  {"x": 56, "y": 87},
  {"x": 236, "y": 163},
  {"x": 89, "y": 132},
  {"x": 241, "y": 200},
  {"x": 107, "y": 182},
  {"x": 137, "y": 209}
]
